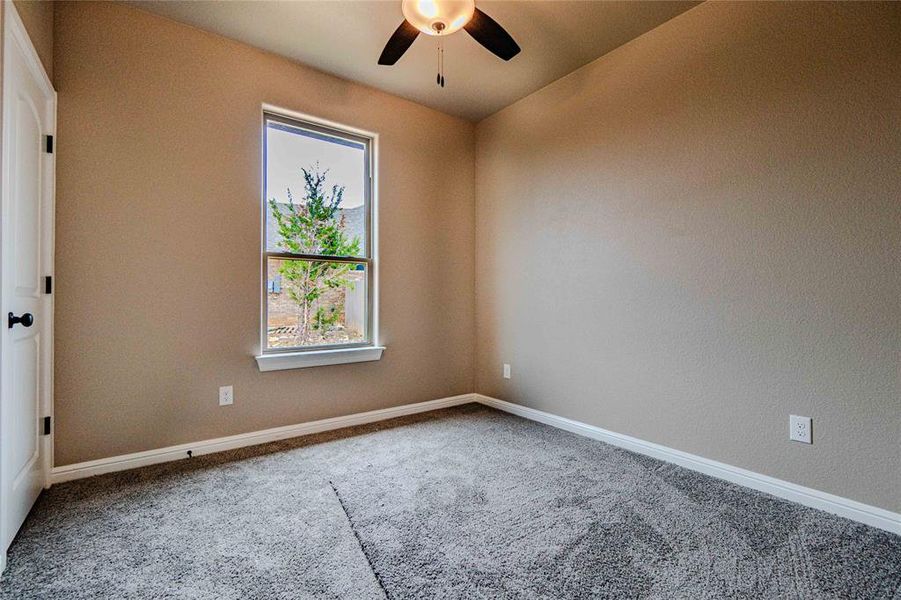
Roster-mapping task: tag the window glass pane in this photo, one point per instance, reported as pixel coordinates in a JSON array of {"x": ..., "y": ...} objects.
[
  {"x": 315, "y": 192},
  {"x": 315, "y": 303}
]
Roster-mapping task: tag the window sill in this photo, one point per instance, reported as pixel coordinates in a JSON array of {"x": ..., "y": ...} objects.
[{"x": 318, "y": 358}]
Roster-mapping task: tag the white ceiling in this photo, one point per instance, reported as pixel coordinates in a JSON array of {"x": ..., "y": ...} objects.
[{"x": 346, "y": 37}]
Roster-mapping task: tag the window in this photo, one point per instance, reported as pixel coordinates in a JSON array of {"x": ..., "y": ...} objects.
[{"x": 318, "y": 263}]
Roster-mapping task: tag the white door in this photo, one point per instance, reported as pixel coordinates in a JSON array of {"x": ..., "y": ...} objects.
[{"x": 29, "y": 105}]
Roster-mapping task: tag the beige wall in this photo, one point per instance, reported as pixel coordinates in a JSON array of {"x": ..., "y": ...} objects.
[
  {"x": 684, "y": 241},
  {"x": 698, "y": 234},
  {"x": 158, "y": 237},
  {"x": 37, "y": 16}
]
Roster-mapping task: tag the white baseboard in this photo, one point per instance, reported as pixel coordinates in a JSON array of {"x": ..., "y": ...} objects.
[
  {"x": 837, "y": 505},
  {"x": 170, "y": 453},
  {"x": 844, "y": 507}
]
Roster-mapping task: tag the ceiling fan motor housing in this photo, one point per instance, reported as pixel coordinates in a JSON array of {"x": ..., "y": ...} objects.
[
  {"x": 441, "y": 17},
  {"x": 438, "y": 17}
]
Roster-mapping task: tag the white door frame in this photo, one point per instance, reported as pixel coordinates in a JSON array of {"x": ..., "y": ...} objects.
[{"x": 15, "y": 35}]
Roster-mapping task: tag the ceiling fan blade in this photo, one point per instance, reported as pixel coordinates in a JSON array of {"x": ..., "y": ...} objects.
[
  {"x": 487, "y": 32},
  {"x": 400, "y": 40}
]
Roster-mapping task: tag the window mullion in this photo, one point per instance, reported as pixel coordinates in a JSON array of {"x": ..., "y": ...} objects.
[{"x": 317, "y": 257}]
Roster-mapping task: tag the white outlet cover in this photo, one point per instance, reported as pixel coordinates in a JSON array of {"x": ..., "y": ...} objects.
[
  {"x": 226, "y": 395},
  {"x": 506, "y": 371},
  {"x": 799, "y": 429}
]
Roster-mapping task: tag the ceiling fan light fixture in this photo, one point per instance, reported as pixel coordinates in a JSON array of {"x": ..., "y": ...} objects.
[{"x": 438, "y": 17}]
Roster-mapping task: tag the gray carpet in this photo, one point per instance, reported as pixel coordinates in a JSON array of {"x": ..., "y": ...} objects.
[{"x": 461, "y": 503}]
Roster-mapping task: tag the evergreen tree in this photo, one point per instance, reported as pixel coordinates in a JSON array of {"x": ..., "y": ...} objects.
[{"x": 314, "y": 226}]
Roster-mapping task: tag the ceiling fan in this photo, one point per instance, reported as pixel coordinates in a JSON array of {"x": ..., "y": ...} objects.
[{"x": 442, "y": 18}]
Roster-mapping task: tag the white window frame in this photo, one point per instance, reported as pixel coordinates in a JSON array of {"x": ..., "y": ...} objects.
[{"x": 276, "y": 359}]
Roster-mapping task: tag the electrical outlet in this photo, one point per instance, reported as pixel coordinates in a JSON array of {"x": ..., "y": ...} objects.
[
  {"x": 799, "y": 429},
  {"x": 226, "y": 395},
  {"x": 506, "y": 371}
]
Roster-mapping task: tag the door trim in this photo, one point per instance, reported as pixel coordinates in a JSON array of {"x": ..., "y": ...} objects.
[{"x": 16, "y": 36}]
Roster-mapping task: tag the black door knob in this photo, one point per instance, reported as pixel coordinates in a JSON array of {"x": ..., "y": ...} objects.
[{"x": 26, "y": 320}]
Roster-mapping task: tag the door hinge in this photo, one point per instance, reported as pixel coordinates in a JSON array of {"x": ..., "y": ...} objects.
[
  {"x": 48, "y": 284},
  {"x": 47, "y": 425},
  {"x": 49, "y": 147}
]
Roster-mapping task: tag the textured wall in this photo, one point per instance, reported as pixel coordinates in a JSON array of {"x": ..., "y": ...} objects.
[
  {"x": 37, "y": 16},
  {"x": 158, "y": 238},
  {"x": 698, "y": 234}
]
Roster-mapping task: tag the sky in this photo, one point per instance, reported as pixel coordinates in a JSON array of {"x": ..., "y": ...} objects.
[{"x": 287, "y": 152}]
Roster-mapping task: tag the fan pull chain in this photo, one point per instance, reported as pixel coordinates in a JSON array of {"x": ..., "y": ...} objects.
[{"x": 439, "y": 79}]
